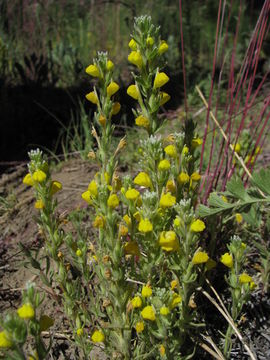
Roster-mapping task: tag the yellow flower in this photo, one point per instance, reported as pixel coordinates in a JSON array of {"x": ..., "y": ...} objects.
[
  {"x": 137, "y": 216},
  {"x": 123, "y": 230},
  {"x": 237, "y": 148},
  {"x": 113, "y": 201},
  {"x": 224, "y": 198},
  {"x": 150, "y": 41},
  {"x": 252, "y": 285},
  {"x": 196, "y": 142},
  {"x": 39, "y": 176},
  {"x": 245, "y": 278},
  {"x": 195, "y": 176},
  {"x": 148, "y": 313},
  {"x": 135, "y": 58},
  {"x": 98, "y": 336},
  {"x": 132, "y": 194},
  {"x": 92, "y": 97},
  {"x": 132, "y": 44},
  {"x": 163, "y": 47},
  {"x": 28, "y": 180},
  {"x": 87, "y": 197},
  {"x": 164, "y": 98},
  {"x": 131, "y": 248},
  {"x": 136, "y": 302},
  {"x": 45, "y": 322},
  {"x": 26, "y": 311},
  {"x": 92, "y": 70},
  {"x": 238, "y": 218},
  {"x": 170, "y": 186},
  {"x": 127, "y": 219},
  {"x": 143, "y": 179},
  {"x": 93, "y": 188},
  {"x": 197, "y": 225},
  {"x": 227, "y": 260},
  {"x": 139, "y": 327},
  {"x": 39, "y": 204},
  {"x": 183, "y": 178},
  {"x": 4, "y": 340},
  {"x": 160, "y": 80},
  {"x": 133, "y": 92},
  {"x": 164, "y": 310},
  {"x": 175, "y": 300},
  {"x": 102, "y": 120},
  {"x": 174, "y": 284},
  {"x": 167, "y": 200},
  {"x": 145, "y": 226},
  {"x": 177, "y": 222},
  {"x": 112, "y": 88},
  {"x": 162, "y": 350},
  {"x": 171, "y": 150},
  {"x": 109, "y": 65},
  {"x": 79, "y": 332},
  {"x": 79, "y": 252},
  {"x": 99, "y": 222},
  {"x": 142, "y": 121},
  {"x": 55, "y": 187},
  {"x": 185, "y": 150},
  {"x": 164, "y": 165},
  {"x": 168, "y": 241},
  {"x": 146, "y": 291},
  {"x": 116, "y": 108},
  {"x": 200, "y": 257}
]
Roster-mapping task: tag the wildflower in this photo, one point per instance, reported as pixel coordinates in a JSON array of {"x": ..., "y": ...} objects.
[
  {"x": 116, "y": 108},
  {"x": 93, "y": 188},
  {"x": 163, "y": 47},
  {"x": 132, "y": 194},
  {"x": 79, "y": 252},
  {"x": 39, "y": 204},
  {"x": 87, "y": 197},
  {"x": 135, "y": 58},
  {"x": 210, "y": 264},
  {"x": 162, "y": 350},
  {"x": 102, "y": 120},
  {"x": 146, "y": 291},
  {"x": 175, "y": 300},
  {"x": 39, "y": 176},
  {"x": 127, "y": 219},
  {"x": 4, "y": 340},
  {"x": 224, "y": 198},
  {"x": 183, "y": 178},
  {"x": 45, "y": 322},
  {"x": 55, "y": 187},
  {"x": 112, "y": 88},
  {"x": 195, "y": 176},
  {"x": 252, "y": 285},
  {"x": 149, "y": 41},
  {"x": 167, "y": 200},
  {"x": 26, "y": 311},
  {"x": 197, "y": 225},
  {"x": 133, "y": 91},
  {"x": 171, "y": 150},
  {"x": 238, "y": 218},
  {"x": 132, "y": 248},
  {"x": 136, "y": 302},
  {"x": 92, "y": 97},
  {"x": 98, "y": 336},
  {"x": 99, "y": 222},
  {"x": 185, "y": 150},
  {"x": 160, "y": 80},
  {"x": 137, "y": 216},
  {"x": 123, "y": 230},
  {"x": 170, "y": 186},
  {"x": 143, "y": 179},
  {"x": 113, "y": 201},
  {"x": 196, "y": 142},
  {"x": 28, "y": 180},
  {"x": 174, "y": 283},
  {"x": 132, "y": 44},
  {"x": 164, "y": 165},
  {"x": 200, "y": 257},
  {"x": 79, "y": 332},
  {"x": 245, "y": 278},
  {"x": 168, "y": 241},
  {"x": 92, "y": 70},
  {"x": 237, "y": 148},
  {"x": 139, "y": 327},
  {"x": 145, "y": 226},
  {"x": 164, "y": 310},
  {"x": 142, "y": 121},
  {"x": 227, "y": 260},
  {"x": 148, "y": 313},
  {"x": 109, "y": 65},
  {"x": 164, "y": 98},
  {"x": 177, "y": 222}
]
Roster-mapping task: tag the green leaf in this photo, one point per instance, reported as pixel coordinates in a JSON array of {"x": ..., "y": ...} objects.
[
  {"x": 261, "y": 180},
  {"x": 236, "y": 187}
]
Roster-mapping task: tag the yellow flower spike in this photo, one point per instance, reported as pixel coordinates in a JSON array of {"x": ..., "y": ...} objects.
[
  {"x": 237, "y": 148},
  {"x": 162, "y": 350},
  {"x": 143, "y": 179},
  {"x": 45, "y": 322},
  {"x": 252, "y": 285},
  {"x": 149, "y": 41},
  {"x": 92, "y": 97},
  {"x": 137, "y": 216},
  {"x": 86, "y": 196},
  {"x": 200, "y": 257},
  {"x": 99, "y": 222},
  {"x": 245, "y": 279},
  {"x": 28, "y": 180},
  {"x": 26, "y": 311},
  {"x": 170, "y": 186},
  {"x": 183, "y": 178},
  {"x": 55, "y": 187},
  {"x": 164, "y": 310},
  {"x": 142, "y": 121},
  {"x": 238, "y": 218},
  {"x": 210, "y": 264},
  {"x": 93, "y": 188},
  {"x": 102, "y": 120},
  {"x": 227, "y": 260},
  {"x": 174, "y": 284},
  {"x": 177, "y": 299},
  {"x": 139, "y": 327},
  {"x": 195, "y": 176},
  {"x": 5, "y": 342},
  {"x": 79, "y": 332},
  {"x": 168, "y": 241},
  {"x": 146, "y": 291},
  {"x": 197, "y": 225},
  {"x": 163, "y": 47},
  {"x": 145, "y": 226},
  {"x": 148, "y": 313},
  {"x": 160, "y": 80},
  {"x": 98, "y": 336},
  {"x": 79, "y": 252},
  {"x": 132, "y": 248},
  {"x": 171, "y": 151},
  {"x": 164, "y": 98},
  {"x": 135, "y": 58},
  {"x": 132, "y": 194},
  {"x": 116, "y": 108},
  {"x": 136, "y": 302},
  {"x": 39, "y": 204},
  {"x": 39, "y": 176},
  {"x": 112, "y": 88},
  {"x": 132, "y": 44},
  {"x": 113, "y": 201},
  {"x": 109, "y": 65},
  {"x": 164, "y": 165},
  {"x": 92, "y": 70},
  {"x": 167, "y": 200},
  {"x": 243, "y": 246},
  {"x": 133, "y": 92},
  {"x": 127, "y": 219},
  {"x": 196, "y": 142},
  {"x": 185, "y": 150}
]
